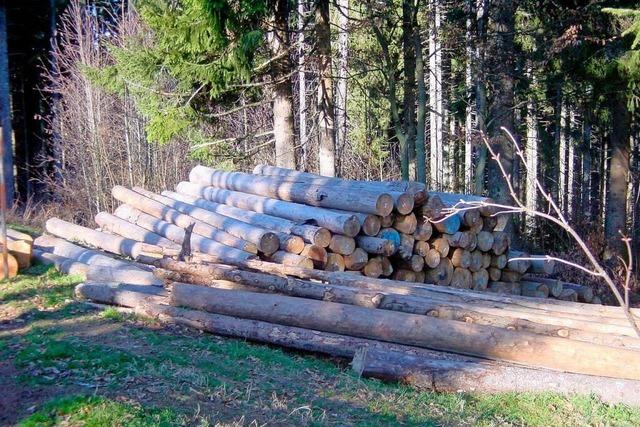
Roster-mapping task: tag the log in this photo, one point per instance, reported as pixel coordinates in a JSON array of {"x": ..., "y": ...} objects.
[
  {"x": 476, "y": 261},
  {"x": 442, "y": 274},
  {"x": 511, "y": 276},
  {"x": 173, "y": 232},
  {"x": 495, "y": 274},
  {"x": 310, "y": 233},
  {"x": 420, "y": 276},
  {"x": 404, "y": 275},
  {"x": 299, "y": 213},
  {"x": 392, "y": 235},
  {"x": 96, "y": 272},
  {"x": 107, "y": 242},
  {"x": 327, "y": 196},
  {"x": 21, "y": 251},
  {"x": 387, "y": 221},
  {"x": 534, "y": 289},
  {"x": 480, "y": 279},
  {"x": 555, "y": 286},
  {"x": 489, "y": 223},
  {"x": 12, "y": 267},
  {"x": 522, "y": 311},
  {"x": 77, "y": 253},
  {"x": 441, "y": 245},
  {"x": 506, "y": 288},
  {"x": 521, "y": 266},
  {"x": 541, "y": 265},
  {"x": 356, "y": 260},
  {"x": 405, "y": 249},
  {"x": 432, "y": 209},
  {"x": 342, "y": 245},
  {"x": 461, "y": 278},
  {"x": 373, "y": 268},
  {"x": 119, "y": 226},
  {"x": 406, "y": 224},
  {"x": 415, "y": 263},
  {"x": 485, "y": 241},
  {"x": 290, "y": 243},
  {"x": 478, "y": 227},
  {"x": 424, "y": 230},
  {"x": 387, "y": 267},
  {"x": 499, "y": 261},
  {"x": 421, "y": 248},
  {"x": 376, "y": 245},
  {"x": 432, "y": 258},
  {"x": 316, "y": 254},
  {"x": 266, "y": 241},
  {"x": 461, "y": 258},
  {"x": 403, "y": 200},
  {"x": 453, "y": 376},
  {"x": 459, "y": 239},
  {"x": 568, "y": 295},
  {"x": 462, "y": 201},
  {"x": 500, "y": 242},
  {"x": 425, "y": 331},
  {"x": 448, "y": 224},
  {"x": 369, "y": 224},
  {"x": 585, "y": 293},
  {"x": 154, "y": 209},
  {"x": 288, "y": 258},
  {"x": 335, "y": 262},
  {"x": 486, "y": 260}
]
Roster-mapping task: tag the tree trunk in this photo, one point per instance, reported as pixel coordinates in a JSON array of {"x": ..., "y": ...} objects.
[
  {"x": 421, "y": 112},
  {"x": 531, "y": 190},
  {"x": 6, "y": 134},
  {"x": 482, "y": 12},
  {"x": 616, "y": 212},
  {"x": 327, "y": 146},
  {"x": 409, "y": 87},
  {"x": 502, "y": 103},
  {"x": 469, "y": 98},
  {"x": 435, "y": 97},
  {"x": 341, "y": 86},
  {"x": 302, "y": 85},
  {"x": 281, "y": 70}
]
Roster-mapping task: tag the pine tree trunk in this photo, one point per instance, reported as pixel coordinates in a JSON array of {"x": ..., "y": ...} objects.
[
  {"x": 502, "y": 104},
  {"x": 283, "y": 119},
  {"x": 615, "y": 216},
  {"x": 435, "y": 94},
  {"x": 481, "y": 92},
  {"x": 469, "y": 86},
  {"x": 409, "y": 92},
  {"x": 341, "y": 85},
  {"x": 531, "y": 156},
  {"x": 421, "y": 168},
  {"x": 302, "y": 86},
  {"x": 327, "y": 156}
]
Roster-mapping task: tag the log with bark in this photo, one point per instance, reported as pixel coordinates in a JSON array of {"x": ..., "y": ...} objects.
[
  {"x": 323, "y": 195},
  {"x": 300, "y": 213},
  {"x": 424, "y": 331}
]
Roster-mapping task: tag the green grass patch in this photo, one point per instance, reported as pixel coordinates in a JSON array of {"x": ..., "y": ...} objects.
[{"x": 99, "y": 411}]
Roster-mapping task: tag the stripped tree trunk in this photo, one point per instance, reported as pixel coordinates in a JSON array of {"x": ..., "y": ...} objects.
[
  {"x": 341, "y": 85},
  {"x": 302, "y": 86}
]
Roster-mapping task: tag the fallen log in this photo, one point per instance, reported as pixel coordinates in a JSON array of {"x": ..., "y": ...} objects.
[
  {"x": 356, "y": 260},
  {"x": 541, "y": 265},
  {"x": 342, "y": 245},
  {"x": 424, "y": 331},
  {"x": 300, "y": 213},
  {"x": 20, "y": 246},
  {"x": 12, "y": 267},
  {"x": 310, "y": 233},
  {"x": 327, "y": 196},
  {"x": 376, "y": 245},
  {"x": 288, "y": 258},
  {"x": 335, "y": 262},
  {"x": 172, "y": 232},
  {"x": 403, "y": 201},
  {"x": 441, "y": 375}
]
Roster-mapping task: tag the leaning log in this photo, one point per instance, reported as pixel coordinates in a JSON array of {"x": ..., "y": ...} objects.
[
  {"x": 67, "y": 249},
  {"x": 119, "y": 226},
  {"x": 310, "y": 233},
  {"x": 442, "y": 375},
  {"x": 327, "y": 196},
  {"x": 338, "y": 223},
  {"x": 409, "y": 329},
  {"x": 107, "y": 242},
  {"x": 173, "y": 232}
]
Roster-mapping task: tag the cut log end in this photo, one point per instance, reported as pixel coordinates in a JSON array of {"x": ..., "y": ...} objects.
[
  {"x": 404, "y": 203},
  {"x": 384, "y": 204}
]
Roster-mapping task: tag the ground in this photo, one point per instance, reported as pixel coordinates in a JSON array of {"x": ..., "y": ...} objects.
[{"x": 63, "y": 362}]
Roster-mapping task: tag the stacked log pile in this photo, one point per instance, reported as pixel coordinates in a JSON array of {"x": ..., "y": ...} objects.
[{"x": 387, "y": 279}]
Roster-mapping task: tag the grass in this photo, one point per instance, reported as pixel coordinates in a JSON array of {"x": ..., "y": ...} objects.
[{"x": 81, "y": 366}]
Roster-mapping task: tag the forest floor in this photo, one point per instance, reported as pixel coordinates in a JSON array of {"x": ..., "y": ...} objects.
[{"x": 63, "y": 362}]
